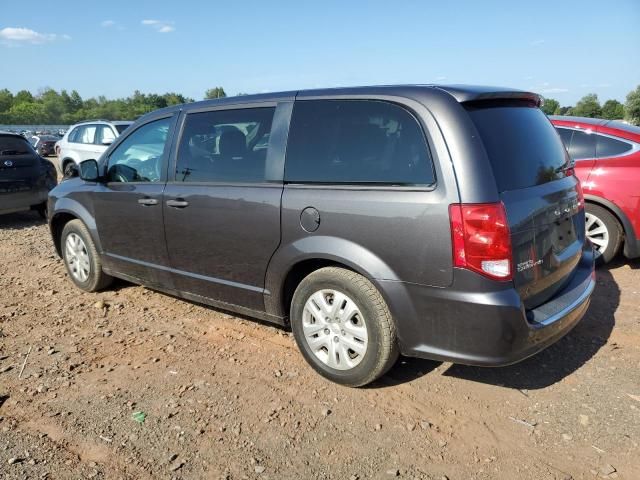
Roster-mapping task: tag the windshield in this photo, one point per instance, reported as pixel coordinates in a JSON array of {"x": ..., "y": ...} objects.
[{"x": 121, "y": 128}]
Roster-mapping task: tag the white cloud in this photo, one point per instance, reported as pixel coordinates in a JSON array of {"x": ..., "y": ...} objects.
[
  {"x": 15, "y": 35},
  {"x": 537, "y": 43},
  {"x": 554, "y": 90},
  {"x": 107, "y": 23},
  {"x": 160, "y": 26},
  {"x": 441, "y": 78}
]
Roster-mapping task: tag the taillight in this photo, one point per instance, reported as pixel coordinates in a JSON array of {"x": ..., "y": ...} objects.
[
  {"x": 580, "y": 196},
  {"x": 481, "y": 239}
]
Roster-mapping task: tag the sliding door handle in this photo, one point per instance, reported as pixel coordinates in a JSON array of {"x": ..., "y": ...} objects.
[{"x": 147, "y": 201}]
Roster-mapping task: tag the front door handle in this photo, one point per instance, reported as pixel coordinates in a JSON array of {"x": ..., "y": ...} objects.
[
  {"x": 147, "y": 201},
  {"x": 179, "y": 203}
]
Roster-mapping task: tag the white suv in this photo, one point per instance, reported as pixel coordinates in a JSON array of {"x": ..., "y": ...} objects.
[{"x": 86, "y": 140}]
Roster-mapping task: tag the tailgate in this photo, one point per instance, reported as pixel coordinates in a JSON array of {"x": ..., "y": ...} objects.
[{"x": 541, "y": 196}]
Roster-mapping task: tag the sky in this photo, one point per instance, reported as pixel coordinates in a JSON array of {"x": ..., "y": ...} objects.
[{"x": 560, "y": 49}]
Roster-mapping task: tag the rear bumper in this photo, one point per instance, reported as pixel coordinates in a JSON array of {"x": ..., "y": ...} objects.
[
  {"x": 19, "y": 201},
  {"x": 477, "y": 322}
]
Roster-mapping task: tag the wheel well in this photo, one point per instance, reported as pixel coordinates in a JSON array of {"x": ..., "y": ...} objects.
[
  {"x": 613, "y": 214},
  {"x": 66, "y": 162},
  {"x": 297, "y": 273},
  {"x": 57, "y": 225}
]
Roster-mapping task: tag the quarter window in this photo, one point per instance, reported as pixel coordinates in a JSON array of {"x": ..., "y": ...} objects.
[
  {"x": 356, "y": 142},
  {"x": 609, "y": 147},
  {"x": 580, "y": 144},
  {"x": 225, "y": 146},
  {"x": 139, "y": 158}
]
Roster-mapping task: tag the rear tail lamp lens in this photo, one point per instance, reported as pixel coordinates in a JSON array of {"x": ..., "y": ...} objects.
[{"x": 481, "y": 239}]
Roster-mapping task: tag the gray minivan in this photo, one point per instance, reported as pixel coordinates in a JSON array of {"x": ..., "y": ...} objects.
[{"x": 441, "y": 222}]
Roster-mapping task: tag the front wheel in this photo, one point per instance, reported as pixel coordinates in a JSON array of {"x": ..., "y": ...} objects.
[
  {"x": 343, "y": 327},
  {"x": 81, "y": 258},
  {"x": 604, "y": 231}
]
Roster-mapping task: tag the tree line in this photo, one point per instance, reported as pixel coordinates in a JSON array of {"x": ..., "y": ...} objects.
[
  {"x": 49, "y": 107},
  {"x": 589, "y": 106}
]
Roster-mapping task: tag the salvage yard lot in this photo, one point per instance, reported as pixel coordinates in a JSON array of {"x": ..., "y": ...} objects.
[{"x": 227, "y": 397}]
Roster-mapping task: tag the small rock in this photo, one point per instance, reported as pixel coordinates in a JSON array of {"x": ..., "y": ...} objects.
[
  {"x": 393, "y": 472},
  {"x": 566, "y": 437},
  {"x": 172, "y": 457},
  {"x": 354, "y": 477},
  {"x": 378, "y": 427},
  {"x": 278, "y": 373},
  {"x": 607, "y": 469},
  {"x": 411, "y": 427},
  {"x": 177, "y": 466},
  {"x": 100, "y": 304},
  {"x": 424, "y": 425},
  {"x": 259, "y": 469},
  {"x": 14, "y": 460},
  {"x": 326, "y": 412}
]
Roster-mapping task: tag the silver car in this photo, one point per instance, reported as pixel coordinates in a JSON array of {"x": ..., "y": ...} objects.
[{"x": 87, "y": 140}]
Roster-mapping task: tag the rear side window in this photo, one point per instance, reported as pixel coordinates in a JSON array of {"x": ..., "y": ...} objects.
[
  {"x": 610, "y": 147},
  {"x": 580, "y": 144},
  {"x": 523, "y": 147},
  {"x": 225, "y": 146},
  {"x": 356, "y": 142},
  {"x": 121, "y": 128}
]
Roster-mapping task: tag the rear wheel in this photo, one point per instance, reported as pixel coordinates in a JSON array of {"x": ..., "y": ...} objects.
[
  {"x": 343, "y": 326},
  {"x": 604, "y": 231},
  {"x": 81, "y": 258}
]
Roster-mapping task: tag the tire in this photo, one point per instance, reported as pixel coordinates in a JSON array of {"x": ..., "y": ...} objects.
[
  {"x": 82, "y": 259},
  {"x": 363, "y": 322},
  {"x": 67, "y": 169},
  {"x": 604, "y": 231}
]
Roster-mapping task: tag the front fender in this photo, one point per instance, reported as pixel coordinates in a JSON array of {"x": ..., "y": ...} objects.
[
  {"x": 332, "y": 249},
  {"x": 69, "y": 207}
]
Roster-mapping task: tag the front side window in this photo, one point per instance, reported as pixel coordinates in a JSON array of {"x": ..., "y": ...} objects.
[
  {"x": 225, "y": 146},
  {"x": 105, "y": 135},
  {"x": 610, "y": 147},
  {"x": 139, "y": 157},
  {"x": 356, "y": 142}
]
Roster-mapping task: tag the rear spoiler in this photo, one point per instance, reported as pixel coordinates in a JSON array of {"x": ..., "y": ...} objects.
[{"x": 467, "y": 94}]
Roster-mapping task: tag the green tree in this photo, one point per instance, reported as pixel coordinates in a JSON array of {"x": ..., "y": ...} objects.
[
  {"x": 23, "y": 96},
  {"x": 632, "y": 106},
  {"x": 550, "y": 106},
  {"x": 588, "y": 106},
  {"x": 27, "y": 113},
  {"x": 6, "y": 100},
  {"x": 612, "y": 110},
  {"x": 217, "y": 92},
  {"x": 563, "y": 111}
]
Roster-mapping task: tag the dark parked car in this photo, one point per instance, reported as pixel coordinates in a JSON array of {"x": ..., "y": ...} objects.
[
  {"x": 25, "y": 177},
  {"x": 433, "y": 221},
  {"x": 44, "y": 144},
  {"x": 607, "y": 162}
]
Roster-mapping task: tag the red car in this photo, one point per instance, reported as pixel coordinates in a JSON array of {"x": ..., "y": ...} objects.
[{"x": 607, "y": 162}]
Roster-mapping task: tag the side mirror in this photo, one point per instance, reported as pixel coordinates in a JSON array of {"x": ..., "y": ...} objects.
[
  {"x": 107, "y": 142},
  {"x": 89, "y": 171}
]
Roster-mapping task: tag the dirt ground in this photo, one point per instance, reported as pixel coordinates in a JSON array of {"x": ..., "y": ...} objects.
[{"x": 230, "y": 398}]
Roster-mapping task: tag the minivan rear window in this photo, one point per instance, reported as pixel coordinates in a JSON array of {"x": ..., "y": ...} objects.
[
  {"x": 523, "y": 147},
  {"x": 356, "y": 142},
  {"x": 10, "y": 145}
]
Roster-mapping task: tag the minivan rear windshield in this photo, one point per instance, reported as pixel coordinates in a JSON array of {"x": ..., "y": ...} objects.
[
  {"x": 10, "y": 145},
  {"x": 523, "y": 147}
]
